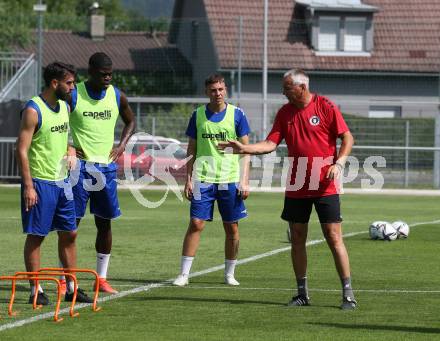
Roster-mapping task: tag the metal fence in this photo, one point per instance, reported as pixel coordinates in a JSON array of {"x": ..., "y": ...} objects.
[
  {"x": 18, "y": 79},
  {"x": 10, "y": 63},
  {"x": 398, "y": 76},
  {"x": 8, "y": 165},
  {"x": 367, "y": 167},
  {"x": 411, "y": 147}
]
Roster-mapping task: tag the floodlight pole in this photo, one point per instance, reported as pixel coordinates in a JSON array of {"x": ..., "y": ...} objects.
[
  {"x": 264, "y": 125},
  {"x": 40, "y": 8},
  {"x": 240, "y": 56},
  {"x": 436, "y": 170}
]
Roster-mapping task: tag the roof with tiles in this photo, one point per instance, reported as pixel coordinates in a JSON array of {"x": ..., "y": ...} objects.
[
  {"x": 338, "y": 4},
  {"x": 406, "y": 37},
  {"x": 130, "y": 51}
]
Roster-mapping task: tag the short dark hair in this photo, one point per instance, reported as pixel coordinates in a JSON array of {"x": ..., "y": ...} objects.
[
  {"x": 214, "y": 78},
  {"x": 99, "y": 60},
  {"x": 58, "y": 71}
]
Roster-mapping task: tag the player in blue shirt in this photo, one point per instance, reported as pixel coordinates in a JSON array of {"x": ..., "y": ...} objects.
[{"x": 216, "y": 176}]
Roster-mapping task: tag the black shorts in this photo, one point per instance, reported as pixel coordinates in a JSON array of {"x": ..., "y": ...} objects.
[{"x": 299, "y": 210}]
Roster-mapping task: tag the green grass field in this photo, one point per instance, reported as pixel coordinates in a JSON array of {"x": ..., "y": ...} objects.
[{"x": 397, "y": 283}]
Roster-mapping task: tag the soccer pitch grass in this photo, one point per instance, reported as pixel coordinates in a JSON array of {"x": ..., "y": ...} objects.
[{"x": 397, "y": 284}]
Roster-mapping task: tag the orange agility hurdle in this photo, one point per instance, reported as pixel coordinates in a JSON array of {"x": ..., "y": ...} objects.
[
  {"x": 53, "y": 273},
  {"x": 38, "y": 278},
  {"x": 95, "y": 308}
]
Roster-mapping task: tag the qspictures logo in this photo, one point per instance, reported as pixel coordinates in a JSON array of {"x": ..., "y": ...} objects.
[
  {"x": 163, "y": 160},
  {"x": 98, "y": 115},
  {"x": 222, "y": 136},
  {"x": 62, "y": 128}
]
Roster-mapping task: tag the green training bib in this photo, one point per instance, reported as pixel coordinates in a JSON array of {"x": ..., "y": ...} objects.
[
  {"x": 212, "y": 165},
  {"x": 92, "y": 124},
  {"x": 49, "y": 143}
]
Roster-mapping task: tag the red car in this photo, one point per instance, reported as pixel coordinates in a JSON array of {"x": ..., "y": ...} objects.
[{"x": 152, "y": 155}]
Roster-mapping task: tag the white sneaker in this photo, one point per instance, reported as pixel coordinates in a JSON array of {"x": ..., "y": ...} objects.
[
  {"x": 230, "y": 280},
  {"x": 181, "y": 280}
]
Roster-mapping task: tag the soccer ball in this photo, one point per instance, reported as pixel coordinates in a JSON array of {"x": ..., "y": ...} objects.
[
  {"x": 376, "y": 229},
  {"x": 402, "y": 229},
  {"x": 389, "y": 232},
  {"x": 289, "y": 237}
]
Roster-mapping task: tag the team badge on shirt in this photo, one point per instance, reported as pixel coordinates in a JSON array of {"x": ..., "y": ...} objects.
[{"x": 314, "y": 120}]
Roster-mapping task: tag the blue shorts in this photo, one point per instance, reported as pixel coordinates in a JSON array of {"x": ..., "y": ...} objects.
[
  {"x": 55, "y": 210},
  {"x": 230, "y": 204},
  {"x": 101, "y": 188}
]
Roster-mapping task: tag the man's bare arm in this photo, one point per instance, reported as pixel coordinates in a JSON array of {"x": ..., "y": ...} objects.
[
  {"x": 190, "y": 152},
  {"x": 345, "y": 149},
  {"x": 335, "y": 170},
  {"x": 29, "y": 123},
  {"x": 244, "y": 170},
  {"x": 262, "y": 147},
  {"x": 128, "y": 118}
]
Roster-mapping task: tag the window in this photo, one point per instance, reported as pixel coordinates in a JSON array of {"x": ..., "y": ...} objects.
[
  {"x": 354, "y": 36},
  {"x": 328, "y": 34},
  {"x": 342, "y": 34},
  {"x": 384, "y": 111}
]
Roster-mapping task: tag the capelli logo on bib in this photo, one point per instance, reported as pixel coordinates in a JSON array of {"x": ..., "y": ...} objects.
[
  {"x": 314, "y": 120},
  {"x": 62, "y": 128},
  {"x": 98, "y": 115}
]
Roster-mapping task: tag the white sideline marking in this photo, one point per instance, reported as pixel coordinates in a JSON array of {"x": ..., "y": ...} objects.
[
  {"x": 401, "y": 291},
  {"x": 274, "y": 189},
  {"x": 398, "y": 291},
  {"x": 123, "y": 217},
  {"x": 223, "y": 287},
  {"x": 165, "y": 283}
]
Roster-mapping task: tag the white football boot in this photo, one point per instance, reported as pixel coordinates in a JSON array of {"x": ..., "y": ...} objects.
[
  {"x": 181, "y": 280},
  {"x": 230, "y": 280}
]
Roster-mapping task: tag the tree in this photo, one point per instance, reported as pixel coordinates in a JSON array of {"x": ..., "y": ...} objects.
[
  {"x": 151, "y": 8},
  {"x": 13, "y": 26},
  {"x": 18, "y": 19}
]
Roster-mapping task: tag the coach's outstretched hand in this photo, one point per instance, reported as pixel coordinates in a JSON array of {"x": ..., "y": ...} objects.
[{"x": 235, "y": 146}]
